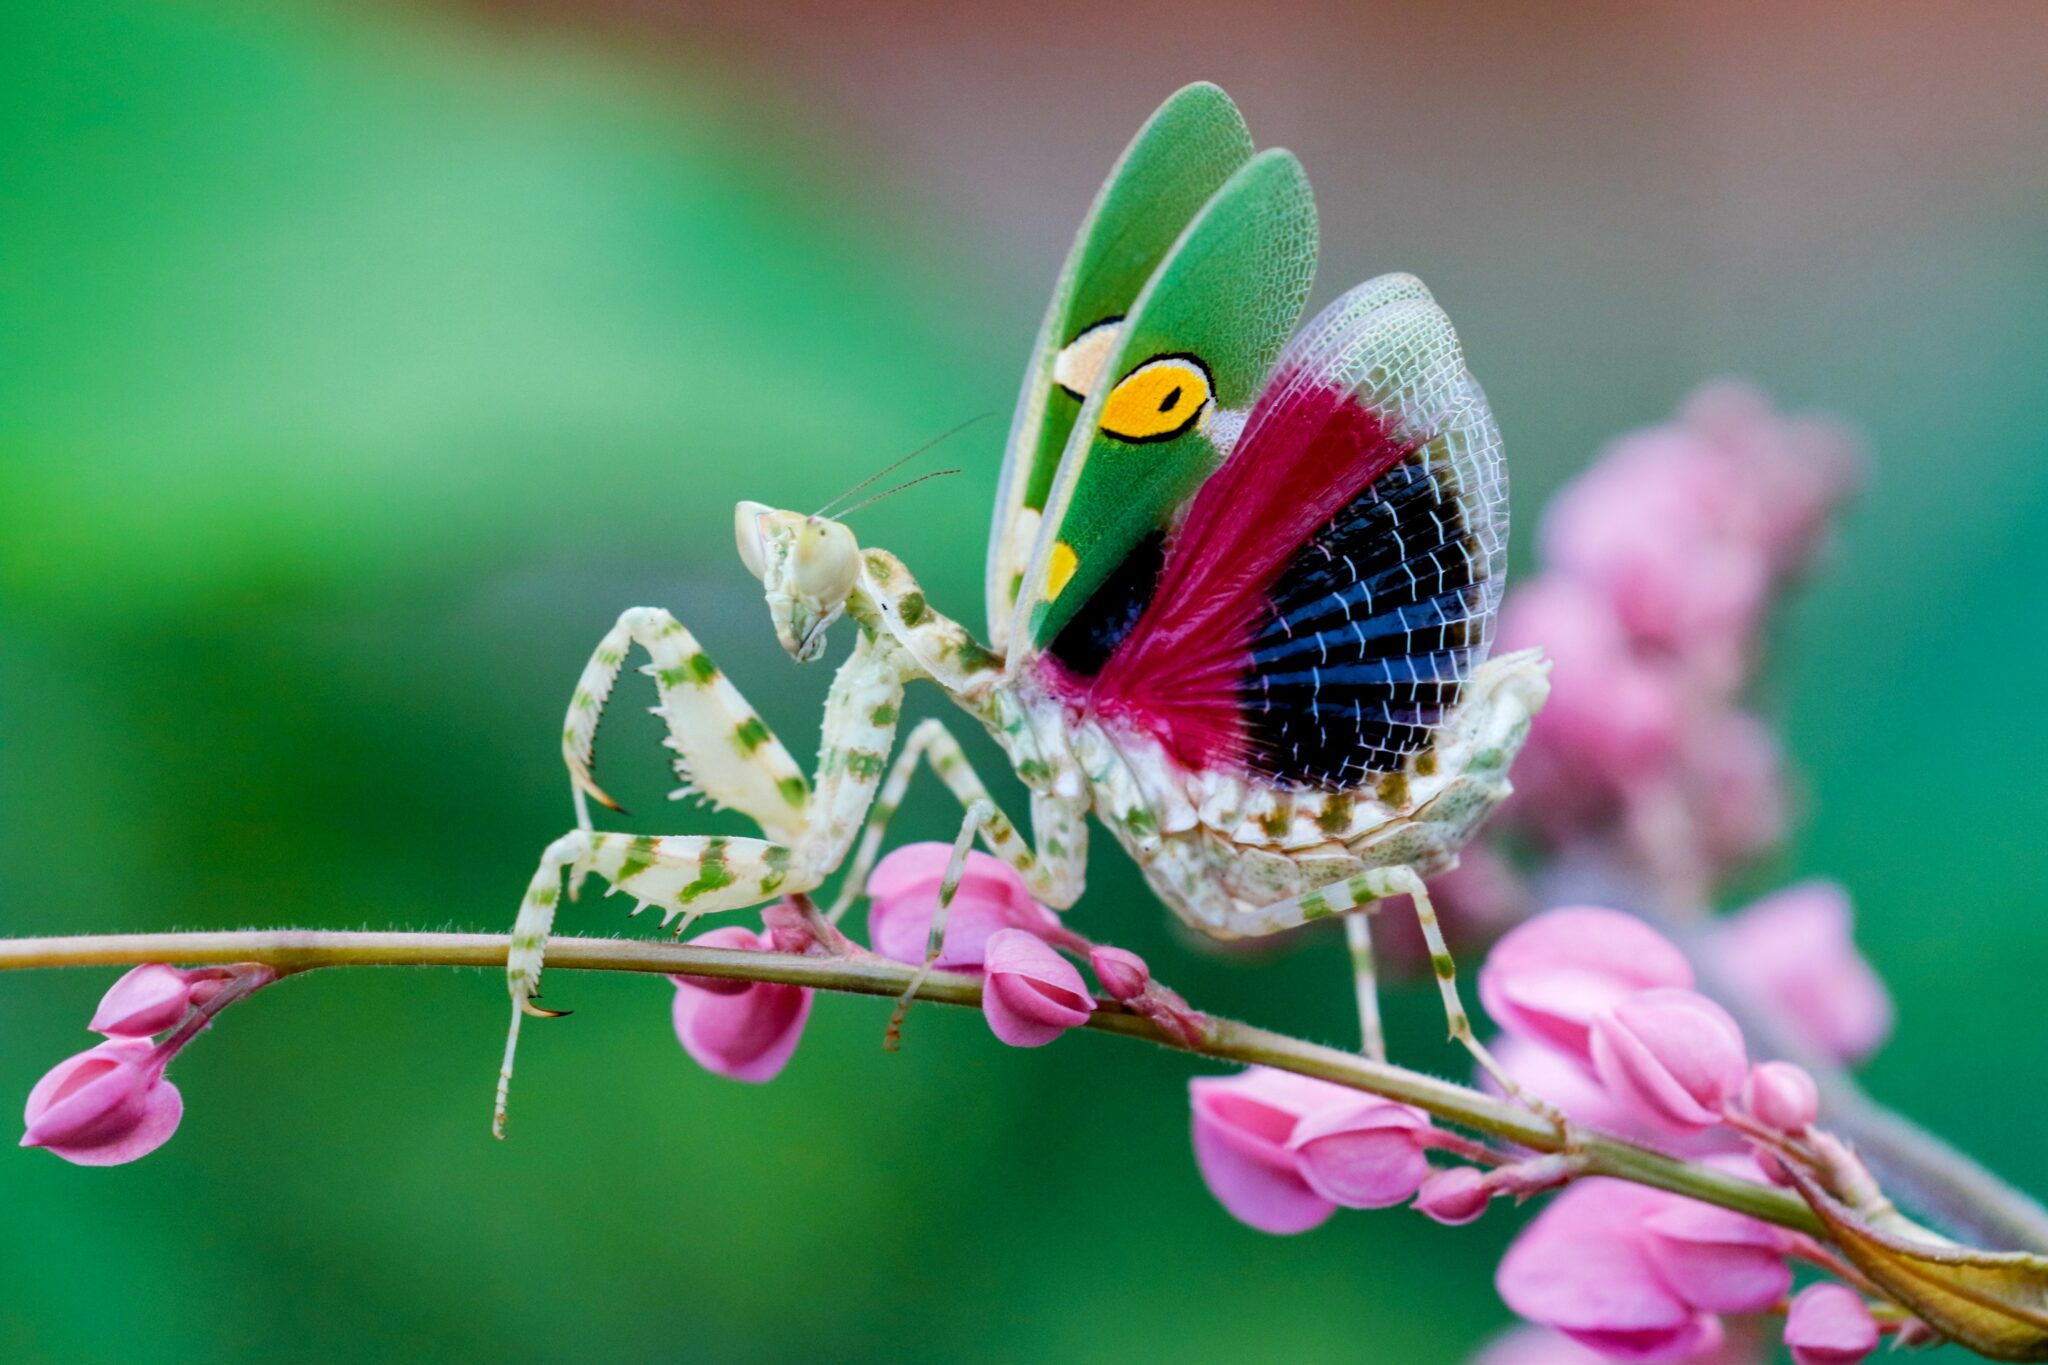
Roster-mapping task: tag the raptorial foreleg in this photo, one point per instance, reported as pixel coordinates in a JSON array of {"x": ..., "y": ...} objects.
[{"x": 723, "y": 749}]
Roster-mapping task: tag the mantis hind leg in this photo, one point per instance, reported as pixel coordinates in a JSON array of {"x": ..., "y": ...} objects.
[{"x": 1354, "y": 895}]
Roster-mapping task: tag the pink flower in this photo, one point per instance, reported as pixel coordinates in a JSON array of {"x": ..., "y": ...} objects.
[
  {"x": 1736, "y": 786},
  {"x": 1362, "y": 1153},
  {"x": 1536, "y": 1346},
  {"x": 146, "y": 1001},
  {"x": 1829, "y": 1325},
  {"x": 1615, "y": 1267},
  {"x": 1547, "y": 979},
  {"x": 1032, "y": 994},
  {"x": 1454, "y": 1196},
  {"x": 1242, "y": 1125},
  {"x": 1719, "y": 1261},
  {"x": 1612, "y": 719},
  {"x": 903, "y": 895},
  {"x": 1795, "y": 469},
  {"x": 1660, "y": 527},
  {"x": 1782, "y": 1096},
  {"x": 1795, "y": 947},
  {"x": 742, "y": 1030},
  {"x": 105, "y": 1106},
  {"x": 1672, "y": 1055}
]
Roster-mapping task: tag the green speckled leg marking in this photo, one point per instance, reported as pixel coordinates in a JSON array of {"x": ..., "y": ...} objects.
[
  {"x": 1047, "y": 870},
  {"x": 1372, "y": 1039},
  {"x": 979, "y": 813}
]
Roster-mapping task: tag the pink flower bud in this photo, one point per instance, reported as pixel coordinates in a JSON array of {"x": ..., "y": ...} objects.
[
  {"x": 146, "y": 1001},
  {"x": 105, "y": 1106},
  {"x": 743, "y": 1030},
  {"x": 1453, "y": 1197},
  {"x": 1715, "y": 1259},
  {"x": 1546, "y": 980},
  {"x": 1795, "y": 947},
  {"x": 1829, "y": 1325},
  {"x": 1032, "y": 995},
  {"x": 1367, "y": 1153},
  {"x": 1242, "y": 1125},
  {"x": 1122, "y": 973},
  {"x": 1782, "y": 1096},
  {"x": 903, "y": 895},
  {"x": 1582, "y": 1266},
  {"x": 1672, "y": 1055}
]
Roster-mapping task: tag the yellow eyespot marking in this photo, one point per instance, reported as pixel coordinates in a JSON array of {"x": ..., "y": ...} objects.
[
  {"x": 1158, "y": 400},
  {"x": 1060, "y": 571}
]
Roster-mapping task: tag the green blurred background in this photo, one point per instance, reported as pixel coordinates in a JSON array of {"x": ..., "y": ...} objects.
[{"x": 358, "y": 364}]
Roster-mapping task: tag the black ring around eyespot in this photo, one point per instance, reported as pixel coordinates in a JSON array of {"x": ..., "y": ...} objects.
[{"x": 1194, "y": 414}]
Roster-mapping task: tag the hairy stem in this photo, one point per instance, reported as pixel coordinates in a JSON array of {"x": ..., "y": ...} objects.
[{"x": 294, "y": 950}]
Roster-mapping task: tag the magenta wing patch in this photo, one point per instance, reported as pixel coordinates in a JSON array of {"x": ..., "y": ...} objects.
[{"x": 1334, "y": 583}]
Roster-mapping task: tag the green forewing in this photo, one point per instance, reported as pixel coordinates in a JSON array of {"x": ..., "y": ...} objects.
[
  {"x": 1188, "y": 148},
  {"x": 1228, "y": 294}
]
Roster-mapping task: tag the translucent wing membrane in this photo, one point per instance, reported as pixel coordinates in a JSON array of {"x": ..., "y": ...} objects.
[
  {"x": 1182, "y": 155},
  {"x": 1373, "y": 625},
  {"x": 1335, "y": 583}
]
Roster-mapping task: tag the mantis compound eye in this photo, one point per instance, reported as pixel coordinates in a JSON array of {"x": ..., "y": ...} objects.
[
  {"x": 826, "y": 562},
  {"x": 746, "y": 529}
]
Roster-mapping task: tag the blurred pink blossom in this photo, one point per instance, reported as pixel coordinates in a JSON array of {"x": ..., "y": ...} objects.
[
  {"x": 1672, "y": 1055},
  {"x": 903, "y": 895},
  {"x": 146, "y": 1001},
  {"x": 1631, "y": 1273},
  {"x": 742, "y": 1030},
  {"x": 1364, "y": 1152},
  {"x": 1242, "y": 1125},
  {"x": 1829, "y": 1324},
  {"x": 1655, "y": 527},
  {"x": 1737, "y": 791},
  {"x": 1548, "y": 979},
  {"x": 1032, "y": 994},
  {"x": 1612, "y": 719},
  {"x": 1720, "y": 1261},
  {"x": 1796, "y": 949},
  {"x": 1528, "y": 1345},
  {"x": 104, "y": 1106}
]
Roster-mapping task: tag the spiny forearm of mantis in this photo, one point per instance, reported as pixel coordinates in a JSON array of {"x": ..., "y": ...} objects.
[{"x": 860, "y": 973}]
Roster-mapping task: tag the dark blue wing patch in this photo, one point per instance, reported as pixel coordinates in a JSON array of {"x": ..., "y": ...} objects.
[{"x": 1372, "y": 629}]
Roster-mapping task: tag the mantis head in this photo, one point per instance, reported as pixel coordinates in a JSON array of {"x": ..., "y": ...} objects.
[{"x": 807, "y": 564}]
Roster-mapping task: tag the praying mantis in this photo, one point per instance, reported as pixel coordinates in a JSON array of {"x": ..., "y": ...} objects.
[{"x": 1240, "y": 596}]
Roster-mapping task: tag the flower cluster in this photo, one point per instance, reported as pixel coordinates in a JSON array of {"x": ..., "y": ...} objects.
[
  {"x": 1601, "y": 1020},
  {"x": 111, "y": 1103},
  {"x": 1658, "y": 566},
  {"x": 1031, "y": 994}
]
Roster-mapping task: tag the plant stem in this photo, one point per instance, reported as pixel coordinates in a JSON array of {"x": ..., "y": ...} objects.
[{"x": 296, "y": 950}]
